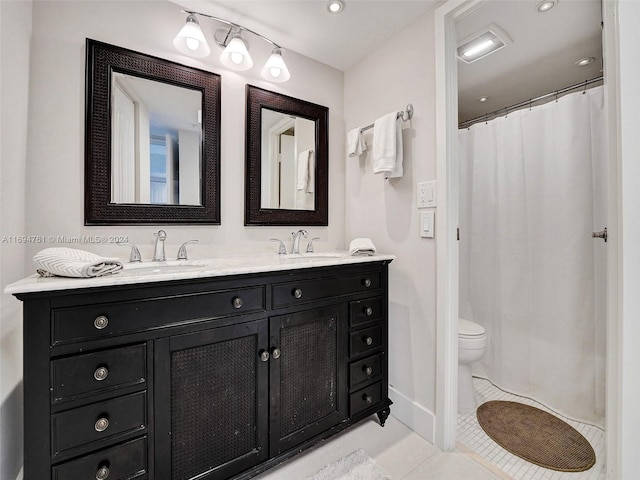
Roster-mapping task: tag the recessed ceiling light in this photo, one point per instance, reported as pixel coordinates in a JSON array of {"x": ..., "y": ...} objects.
[
  {"x": 335, "y": 6},
  {"x": 546, "y": 5},
  {"x": 482, "y": 99},
  {"x": 583, "y": 62},
  {"x": 488, "y": 40}
]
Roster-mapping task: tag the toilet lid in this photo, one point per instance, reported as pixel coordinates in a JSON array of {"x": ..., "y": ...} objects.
[{"x": 467, "y": 328}]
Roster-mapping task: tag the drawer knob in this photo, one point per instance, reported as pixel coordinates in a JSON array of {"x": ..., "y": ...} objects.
[
  {"x": 368, "y": 311},
  {"x": 367, "y": 398},
  {"x": 101, "y": 373},
  {"x": 366, "y": 282},
  {"x": 275, "y": 352},
  {"x": 264, "y": 355},
  {"x": 100, "y": 322},
  {"x": 102, "y": 473},
  {"x": 101, "y": 424},
  {"x": 368, "y": 340},
  {"x": 297, "y": 292},
  {"x": 237, "y": 302},
  {"x": 368, "y": 370}
]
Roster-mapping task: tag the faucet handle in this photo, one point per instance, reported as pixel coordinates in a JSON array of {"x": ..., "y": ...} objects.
[
  {"x": 135, "y": 253},
  {"x": 310, "y": 244},
  {"x": 282, "y": 250},
  {"x": 182, "y": 251}
]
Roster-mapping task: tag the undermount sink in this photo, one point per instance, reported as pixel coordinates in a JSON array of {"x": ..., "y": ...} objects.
[{"x": 168, "y": 266}]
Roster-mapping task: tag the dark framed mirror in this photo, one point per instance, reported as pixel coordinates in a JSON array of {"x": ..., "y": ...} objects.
[
  {"x": 287, "y": 160},
  {"x": 152, "y": 140}
]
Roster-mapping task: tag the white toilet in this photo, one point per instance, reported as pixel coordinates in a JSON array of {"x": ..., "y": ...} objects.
[{"x": 472, "y": 342}]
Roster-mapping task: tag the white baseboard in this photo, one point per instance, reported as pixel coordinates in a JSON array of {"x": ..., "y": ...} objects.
[{"x": 413, "y": 415}]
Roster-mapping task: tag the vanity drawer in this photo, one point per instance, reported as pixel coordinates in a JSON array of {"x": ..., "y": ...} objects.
[
  {"x": 365, "y": 398},
  {"x": 96, "y": 372},
  {"x": 363, "y": 311},
  {"x": 365, "y": 370},
  {"x": 364, "y": 340},
  {"x": 98, "y": 421},
  {"x": 126, "y": 461},
  {"x": 292, "y": 293},
  {"x": 99, "y": 320}
]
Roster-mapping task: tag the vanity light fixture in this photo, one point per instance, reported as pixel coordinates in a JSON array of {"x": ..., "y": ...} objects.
[
  {"x": 546, "y": 5},
  {"x": 190, "y": 40},
  {"x": 235, "y": 51},
  {"x": 488, "y": 40},
  {"x": 335, "y": 6}
]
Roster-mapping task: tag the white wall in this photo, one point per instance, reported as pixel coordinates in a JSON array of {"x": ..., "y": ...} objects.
[
  {"x": 56, "y": 125},
  {"x": 629, "y": 75},
  {"x": 15, "y": 36},
  {"x": 400, "y": 72},
  {"x": 43, "y": 141}
]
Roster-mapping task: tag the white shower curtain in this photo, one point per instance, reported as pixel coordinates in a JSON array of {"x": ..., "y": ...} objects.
[{"x": 532, "y": 189}]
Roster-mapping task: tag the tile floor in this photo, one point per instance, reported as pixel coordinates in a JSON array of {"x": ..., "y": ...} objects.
[
  {"x": 403, "y": 454},
  {"x": 471, "y": 435}
]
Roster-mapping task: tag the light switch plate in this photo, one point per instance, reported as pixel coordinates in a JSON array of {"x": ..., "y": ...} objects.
[
  {"x": 427, "y": 220},
  {"x": 431, "y": 194},
  {"x": 426, "y": 194}
]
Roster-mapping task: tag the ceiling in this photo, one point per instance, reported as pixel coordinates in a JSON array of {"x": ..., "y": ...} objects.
[
  {"x": 305, "y": 26},
  {"x": 539, "y": 60}
]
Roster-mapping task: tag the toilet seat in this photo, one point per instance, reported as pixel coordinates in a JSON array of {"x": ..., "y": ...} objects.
[{"x": 469, "y": 329}]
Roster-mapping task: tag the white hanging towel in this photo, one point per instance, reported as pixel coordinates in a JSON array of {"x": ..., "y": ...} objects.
[
  {"x": 355, "y": 142},
  {"x": 306, "y": 180},
  {"x": 387, "y": 146}
]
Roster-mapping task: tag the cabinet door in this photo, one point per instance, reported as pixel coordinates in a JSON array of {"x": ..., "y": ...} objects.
[
  {"x": 307, "y": 374},
  {"x": 211, "y": 405}
]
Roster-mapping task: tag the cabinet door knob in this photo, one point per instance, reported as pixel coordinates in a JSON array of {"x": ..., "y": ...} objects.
[
  {"x": 102, "y": 473},
  {"x": 101, "y": 424},
  {"x": 368, "y": 340},
  {"x": 366, "y": 282},
  {"x": 275, "y": 352},
  {"x": 101, "y": 373},
  {"x": 264, "y": 355},
  {"x": 367, "y": 398},
  {"x": 368, "y": 311},
  {"x": 237, "y": 302},
  {"x": 297, "y": 292},
  {"x": 101, "y": 322},
  {"x": 367, "y": 370}
]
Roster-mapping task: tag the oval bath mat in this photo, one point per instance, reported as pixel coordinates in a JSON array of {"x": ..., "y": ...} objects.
[{"x": 536, "y": 436}]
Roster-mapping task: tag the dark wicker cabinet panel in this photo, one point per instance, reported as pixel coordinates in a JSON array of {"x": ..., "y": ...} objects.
[
  {"x": 211, "y": 405},
  {"x": 308, "y": 379}
]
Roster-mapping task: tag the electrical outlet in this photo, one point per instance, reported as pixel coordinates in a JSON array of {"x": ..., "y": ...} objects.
[{"x": 426, "y": 194}]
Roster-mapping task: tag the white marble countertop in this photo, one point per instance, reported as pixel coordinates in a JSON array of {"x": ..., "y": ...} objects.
[{"x": 190, "y": 269}]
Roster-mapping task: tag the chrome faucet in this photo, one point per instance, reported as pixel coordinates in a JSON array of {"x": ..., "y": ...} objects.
[
  {"x": 158, "y": 255},
  {"x": 295, "y": 240}
]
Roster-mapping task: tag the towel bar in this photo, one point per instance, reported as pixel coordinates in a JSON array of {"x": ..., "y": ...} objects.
[{"x": 405, "y": 115}]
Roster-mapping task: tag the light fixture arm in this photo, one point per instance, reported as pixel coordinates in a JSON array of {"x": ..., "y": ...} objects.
[{"x": 240, "y": 28}]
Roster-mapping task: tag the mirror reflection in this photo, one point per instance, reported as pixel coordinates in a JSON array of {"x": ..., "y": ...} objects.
[
  {"x": 156, "y": 142},
  {"x": 288, "y": 170}
]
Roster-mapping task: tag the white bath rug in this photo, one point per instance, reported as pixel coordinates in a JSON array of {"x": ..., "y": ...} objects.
[{"x": 355, "y": 466}]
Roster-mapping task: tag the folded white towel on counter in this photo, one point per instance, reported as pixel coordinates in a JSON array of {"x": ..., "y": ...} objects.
[
  {"x": 362, "y": 246},
  {"x": 70, "y": 262},
  {"x": 387, "y": 146},
  {"x": 356, "y": 143},
  {"x": 306, "y": 179}
]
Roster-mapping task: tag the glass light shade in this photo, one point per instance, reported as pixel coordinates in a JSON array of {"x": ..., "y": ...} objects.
[
  {"x": 190, "y": 40},
  {"x": 236, "y": 56},
  {"x": 275, "y": 70}
]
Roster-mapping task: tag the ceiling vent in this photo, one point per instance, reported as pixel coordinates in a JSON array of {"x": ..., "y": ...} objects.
[{"x": 482, "y": 43}]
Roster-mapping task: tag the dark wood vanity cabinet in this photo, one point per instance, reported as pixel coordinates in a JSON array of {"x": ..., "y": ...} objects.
[{"x": 211, "y": 378}]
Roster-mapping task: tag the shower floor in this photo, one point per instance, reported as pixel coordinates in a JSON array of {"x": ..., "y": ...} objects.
[{"x": 471, "y": 435}]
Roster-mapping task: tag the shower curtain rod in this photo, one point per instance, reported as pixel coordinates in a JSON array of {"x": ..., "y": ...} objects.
[{"x": 506, "y": 110}]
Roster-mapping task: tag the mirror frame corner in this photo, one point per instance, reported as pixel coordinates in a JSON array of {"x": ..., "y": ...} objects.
[
  {"x": 257, "y": 99},
  {"x": 101, "y": 60}
]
